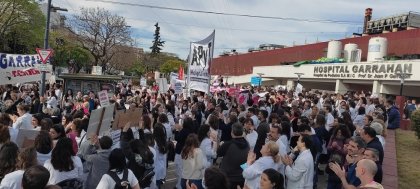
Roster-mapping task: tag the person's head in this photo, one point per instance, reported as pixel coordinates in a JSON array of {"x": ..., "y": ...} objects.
[
  {"x": 366, "y": 169},
  {"x": 368, "y": 134},
  {"x": 117, "y": 160},
  {"x": 372, "y": 154},
  {"x": 203, "y": 132},
  {"x": 275, "y": 132},
  {"x": 327, "y": 108},
  {"x": 5, "y": 119},
  {"x": 36, "y": 120},
  {"x": 304, "y": 142},
  {"x": 61, "y": 155},
  {"x": 147, "y": 122},
  {"x": 361, "y": 111},
  {"x": 4, "y": 134},
  {"x": 191, "y": 143},
  {"x": 237, "y": 130},
  {"x": 233, "y": 118},
  {"x": 341, "y": 132},
  {"x": 367, "y": 120},
  {"x": 8, "y": 158},
  {"x": 262, "y": 115},
  {"x": 188, "y": 124},
  {"x": 270, "y": 149},
  {"x": 214, "y": 178},
  {"x": 66, "y": 119},
  {"x": 105, "y": 142},
  {"x": 22, "y": 109},
  {"x": 159, "y": 134},
  {"x": 251, "y": 112},
  {"x": 271, "y": 179},
  {"x": 163, "y": 118},
  {"x": 356, "y": 146},
  {"x": 57, "y": 132},
  {"x": 46, "y": 124},
  {"x": 43, "y": 142},
  {"x": 249, "y": 124},
  {"x": 35, "y": 177},
  {"x": 377, "y": 127},
  {"x": 274, "y": 118},
  {"x": 389, "y": 103},
  {"x": 214, "y": 122},
  {"x": 27, "y": 158}
]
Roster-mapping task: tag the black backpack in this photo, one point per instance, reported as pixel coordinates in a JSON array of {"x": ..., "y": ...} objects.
[
  {"x": 120, "y": 183},
  {"x": 74, "y": 183}
]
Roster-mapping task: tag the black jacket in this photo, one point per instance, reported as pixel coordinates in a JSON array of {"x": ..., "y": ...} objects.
[
  {"x": 234, "y": 153},
  {"x": 376, "y": 144}
]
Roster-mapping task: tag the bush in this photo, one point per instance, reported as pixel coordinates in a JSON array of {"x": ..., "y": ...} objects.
[{"x": 415, "y": 122}]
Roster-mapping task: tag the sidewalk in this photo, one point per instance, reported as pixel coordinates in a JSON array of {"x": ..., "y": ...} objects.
[{"x": 389, "y": 167}]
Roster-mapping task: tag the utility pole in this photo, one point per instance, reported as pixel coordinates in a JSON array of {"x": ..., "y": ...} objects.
[
  {"x": 402, "y": 76},
  {"x": 47, "y": 32}
]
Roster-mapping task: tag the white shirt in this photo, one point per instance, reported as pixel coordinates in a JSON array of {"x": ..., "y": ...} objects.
[
  {"x": 252, "y": 173},
  {"x": 108, "y": 183},
  {"x": 382, "y": 140},
  {"x": 23, "y": 122},
  {"x": 300, "y": 174},
  {"x": 52, "y": 102},
  {"x": 207, "y": 149},
  {"x": 168, "y": 130},
  {"x": 251, "y": 138},
  {"x": 330, "y": 121},
  {"x": 12, "y": 180},
  {"x": 285, "y": 141},
  {"x": 255, "y": 120},
  {"x": 42, "y": 157},
  {"x": 57, "y": 176},
  {"x": 160, "y": 164}
]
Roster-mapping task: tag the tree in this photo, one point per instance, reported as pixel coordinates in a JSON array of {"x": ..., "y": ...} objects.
[
  {"x": 157, "y": 43},
  {"x": 68, "y": 52},
  {"x": 100, "y": 33},
  {"x": 171, "y": 65},
  {"x": 22, "y": 26}
]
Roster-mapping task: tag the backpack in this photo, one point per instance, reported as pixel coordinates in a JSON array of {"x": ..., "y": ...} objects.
[
  {"x": 74, "y": 183},
  {"x": 120, "y": 183},
  {"x": 143, "y": 171}
]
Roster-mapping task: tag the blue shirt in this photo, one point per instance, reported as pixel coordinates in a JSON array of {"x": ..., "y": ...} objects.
[{"x": 351, "y": 175}]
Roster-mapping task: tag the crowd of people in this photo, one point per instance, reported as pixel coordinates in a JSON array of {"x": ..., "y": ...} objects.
[{"x": 261, "y": 138}]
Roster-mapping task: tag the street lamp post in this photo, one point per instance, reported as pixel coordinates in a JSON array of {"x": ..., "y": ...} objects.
[
  {"x": 402, "y": 76},
  {"x": 47, "y": 32},
  {"x": 260, "y": 75}
]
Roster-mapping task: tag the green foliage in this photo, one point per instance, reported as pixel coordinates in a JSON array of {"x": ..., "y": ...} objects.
[
  {"x": 415, "y": 122},
  {"x": 138, "y": 68},
  {"x": 171, "y": 65},
  {"x": 157, "y": 43},
  {"x": 22, "y": 26}
]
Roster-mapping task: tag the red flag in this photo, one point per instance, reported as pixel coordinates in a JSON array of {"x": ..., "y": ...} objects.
[{"x": 181, "y": 72}]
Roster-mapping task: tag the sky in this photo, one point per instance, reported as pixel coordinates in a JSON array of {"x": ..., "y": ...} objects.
[{"x": 179, "y": 28}]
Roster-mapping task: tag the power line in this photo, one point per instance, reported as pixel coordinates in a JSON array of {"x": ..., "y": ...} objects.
[
  {"x": 229, "y": 14},
  {"x": 238, "y": 29}
]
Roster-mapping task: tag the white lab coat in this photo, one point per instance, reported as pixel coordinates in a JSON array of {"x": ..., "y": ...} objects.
[
  {"x": 252, "y": 173},
  {"x": 300, "y": 174}
]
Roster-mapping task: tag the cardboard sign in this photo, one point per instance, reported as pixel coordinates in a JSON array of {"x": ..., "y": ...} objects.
[
  {"x": 100, "y": 120},
  {"x": 26, "y": 137},
  {"x": 103, "y": 98},
  {"x": 122, "y": 118}
]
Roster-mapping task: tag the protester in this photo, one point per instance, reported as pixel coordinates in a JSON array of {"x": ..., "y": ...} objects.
[
  {"x": 26, "y": 159},
  {"x": 8, "y": 158},
  {"x": 35, "y": 177},
  {"x": 193, "y": 162}
]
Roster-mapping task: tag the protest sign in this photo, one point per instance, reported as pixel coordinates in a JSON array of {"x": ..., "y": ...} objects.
[
  {"x": 103, "y": 98},
  {"x": 130, "y": 115},
  {"x": 100, "y": 120},
  {"x": 17, "y": 68}
]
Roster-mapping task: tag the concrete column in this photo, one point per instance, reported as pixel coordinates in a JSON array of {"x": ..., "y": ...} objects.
[
  {"x": 340, "y": 87},
  {"x": 290, "y": 84}
]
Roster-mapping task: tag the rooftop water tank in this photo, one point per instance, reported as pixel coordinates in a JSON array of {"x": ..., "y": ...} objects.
[
  {"x": 348, "y": 49},
  {"x": 378, "y": 49},
  {"x": 334, "y": 49}
]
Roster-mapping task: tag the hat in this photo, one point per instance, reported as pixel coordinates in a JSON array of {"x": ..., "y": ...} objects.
[{"x": 377, "y": 127}]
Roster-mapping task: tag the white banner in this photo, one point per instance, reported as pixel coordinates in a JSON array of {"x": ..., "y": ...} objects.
[
  {"x": 201, "y": 55},
  {"x": 16, "y": 68}
]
